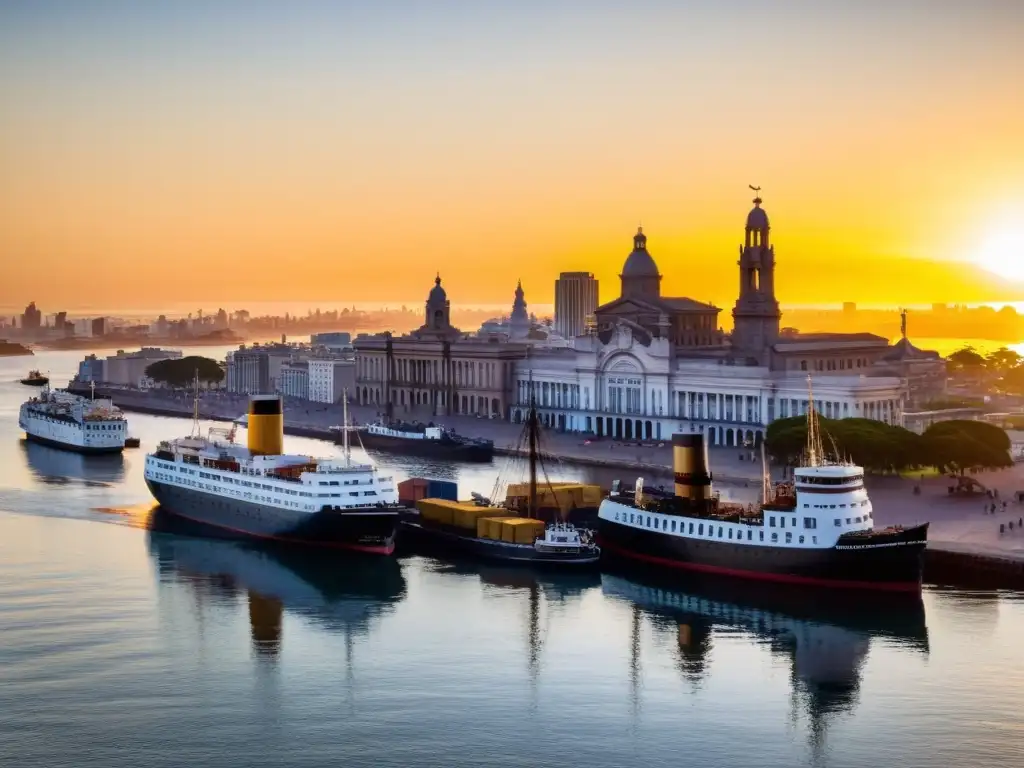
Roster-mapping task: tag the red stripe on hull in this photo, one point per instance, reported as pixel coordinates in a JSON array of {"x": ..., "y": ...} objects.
[
  {"x": 387, "y": 549},
  {"x": 785, "y": 578}
]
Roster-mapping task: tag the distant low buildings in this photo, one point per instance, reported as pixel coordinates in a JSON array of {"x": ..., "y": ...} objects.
[
  {"x": 129, "y": 368},
  {"x": 294, "y": 379},
  {"x": 91, "y": 370},
  {"x": 334, "y": 340},
  {"x": 329, "y": 379},
  {"x": 255, "y": 370}
]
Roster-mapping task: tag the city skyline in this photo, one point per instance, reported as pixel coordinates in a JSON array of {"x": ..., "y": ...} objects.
[{"x": 229, "y": 154}]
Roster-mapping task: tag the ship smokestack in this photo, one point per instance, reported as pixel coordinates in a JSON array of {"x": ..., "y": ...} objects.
[
  {"x": 690, "y": 465},
  {"x": 266, "y": 425}
]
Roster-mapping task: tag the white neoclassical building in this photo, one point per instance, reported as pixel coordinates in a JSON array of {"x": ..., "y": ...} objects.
[{"x": 656, "y": 365}]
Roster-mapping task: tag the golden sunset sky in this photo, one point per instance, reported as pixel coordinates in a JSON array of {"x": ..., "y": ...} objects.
[{"x": 225, "y": 152}]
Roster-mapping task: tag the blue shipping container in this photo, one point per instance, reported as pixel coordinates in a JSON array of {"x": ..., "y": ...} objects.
[{"x": 443, "y": 489}]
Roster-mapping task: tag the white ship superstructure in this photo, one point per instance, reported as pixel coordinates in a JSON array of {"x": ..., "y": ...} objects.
[
  {"x": 220, "y": 467},
  {"x": 73, "y": 422},
  {"x": 258, "y": 491}
]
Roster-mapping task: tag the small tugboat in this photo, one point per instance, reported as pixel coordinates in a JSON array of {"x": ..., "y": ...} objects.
[
  {"x": 496, "y": 533},
  {"x": 817, "y": 530},
  {"x": 35, "y": 379},
  {"x": 132, "y": 442}
]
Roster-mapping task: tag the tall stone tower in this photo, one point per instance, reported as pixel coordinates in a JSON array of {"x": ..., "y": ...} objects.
[
  {"x": 756, "y": 315},
  {"x": 519, "y": 321},
  {"x": 438, "y": 309}
]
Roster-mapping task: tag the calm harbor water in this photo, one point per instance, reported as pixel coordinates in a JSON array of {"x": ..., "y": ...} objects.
[{"x": 126, "y": 643}]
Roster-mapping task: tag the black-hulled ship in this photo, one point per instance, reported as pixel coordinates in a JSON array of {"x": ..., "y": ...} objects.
[
  {"x": 260, "y": 492},
  {"x": 423, "y": 440},
  {"x": 478, "y": 529},
  {"x": 819, "y": 529},
  {"x": 35, "y": 379}
]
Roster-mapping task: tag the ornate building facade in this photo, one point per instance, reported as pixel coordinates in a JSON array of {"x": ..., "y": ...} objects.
[
  {"x": 657, "y": 365},
  {"x": 437, "y": 370}
]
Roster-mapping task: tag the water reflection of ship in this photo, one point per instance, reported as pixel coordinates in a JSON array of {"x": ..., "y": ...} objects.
[
  {"x": 344, "y": 596},
  {"x": 59, "y": 467},
  {"x": 542, "y": 588},
  {"x": 826, "y": 640}
]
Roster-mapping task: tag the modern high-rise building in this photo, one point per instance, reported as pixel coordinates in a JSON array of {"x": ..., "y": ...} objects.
[
  {"x": 575, "y": 301},
  {"x": 31, "y": 318}
]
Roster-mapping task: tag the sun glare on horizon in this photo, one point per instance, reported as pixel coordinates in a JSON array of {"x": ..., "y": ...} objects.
[{"x": 1002, "y": 253}]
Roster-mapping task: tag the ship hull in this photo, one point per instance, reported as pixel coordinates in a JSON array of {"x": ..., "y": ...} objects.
[
  {"x": 446, "y": 540},
  {"x": 453, "y": 450},
  {"x": 891, "y": 562},
  {"x": 87, "y": 450},
  {"x": 370, "y": 530}
]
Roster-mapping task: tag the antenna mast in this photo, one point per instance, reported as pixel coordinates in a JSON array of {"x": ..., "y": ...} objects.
[
  {"x": 344, "y": 427},
  {"x": 195, "y": 407},
  {"x": 766, "y": 479},
  {"x": 815, "y": 452}
]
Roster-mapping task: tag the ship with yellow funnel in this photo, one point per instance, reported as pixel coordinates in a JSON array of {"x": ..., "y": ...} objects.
[{"x": 258, "y": 491}]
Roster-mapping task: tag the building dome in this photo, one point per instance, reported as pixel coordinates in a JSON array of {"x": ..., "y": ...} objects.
[
  {"x": 639, "y": 263},
  {"x": 437, "y": 293},
  {"x": 757, "y": 218}
]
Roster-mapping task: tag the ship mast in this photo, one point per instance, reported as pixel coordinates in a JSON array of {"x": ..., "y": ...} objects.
[
  {"x": 532, "y": 429},
  {"x": 815, "y": 452}
]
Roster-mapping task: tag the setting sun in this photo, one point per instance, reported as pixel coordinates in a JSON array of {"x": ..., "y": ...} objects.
[{"x": 1003, "y": 254}]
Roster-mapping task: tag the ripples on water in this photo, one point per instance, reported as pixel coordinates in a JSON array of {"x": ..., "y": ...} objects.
[{"x": 128, "y": 642}]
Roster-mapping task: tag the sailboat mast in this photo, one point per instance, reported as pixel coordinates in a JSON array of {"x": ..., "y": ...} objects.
[{"x": 532, "y": 438}]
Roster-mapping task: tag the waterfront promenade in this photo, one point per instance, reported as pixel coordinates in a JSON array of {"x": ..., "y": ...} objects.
[{"x": 959, "y": 526}]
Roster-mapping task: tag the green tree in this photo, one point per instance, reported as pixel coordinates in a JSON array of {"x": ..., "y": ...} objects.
[
  {"x": 1003, "y": 360},
  {"x": 182, "y": 372},
  {"x": 961, "y": 446},
  {"x": 874, "y": 445},
  {"x": 966, "y": 360},
  {"x": 1013, "y": 381}
]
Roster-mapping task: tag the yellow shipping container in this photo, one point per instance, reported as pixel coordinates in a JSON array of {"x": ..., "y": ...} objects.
[
  {"x": 592, "y": 495},
  {"x": 528, "y": 530},
  {"x": 467, "y": 516},
  {"x": 438, "y": 510},
  {"x": 490, "y": 527},
  {"x": 521, "y": 530},
  {"x": 494, "y": 526}
]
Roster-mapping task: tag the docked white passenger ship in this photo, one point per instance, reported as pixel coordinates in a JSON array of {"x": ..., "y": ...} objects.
[
  {"x": 73, "y": 422},
  {"x": 260, "y": 492}
]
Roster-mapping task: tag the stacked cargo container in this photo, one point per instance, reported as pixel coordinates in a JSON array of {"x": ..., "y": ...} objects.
[
  {"x": 415, "y": 488},
  {"x": 555, "y": 499}
]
